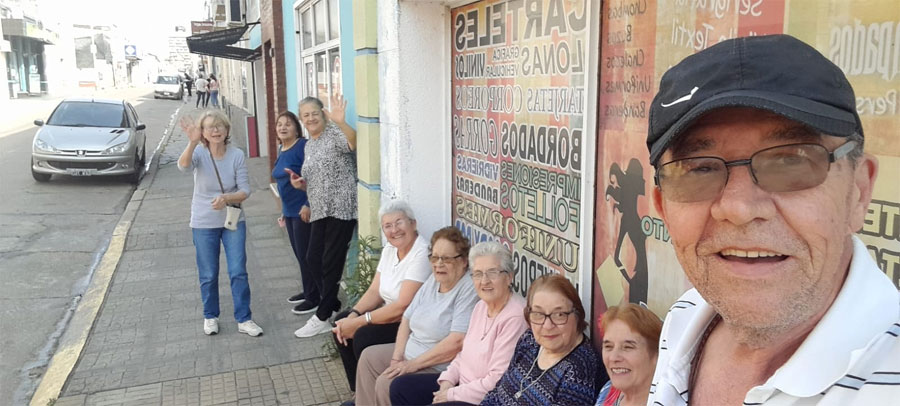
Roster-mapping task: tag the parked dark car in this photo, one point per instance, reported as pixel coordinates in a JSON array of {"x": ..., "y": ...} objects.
[{"x": 90, "y": 137}]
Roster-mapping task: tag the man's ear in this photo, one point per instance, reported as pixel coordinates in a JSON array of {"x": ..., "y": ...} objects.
[
  {"x": 658, "y": 203},
  {"x": 864, "y": 176}
]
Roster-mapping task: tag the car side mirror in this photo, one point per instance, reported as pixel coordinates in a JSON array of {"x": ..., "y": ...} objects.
[
  {"x": 140, "y": 126},
  {"x": 38, "y": 122}
]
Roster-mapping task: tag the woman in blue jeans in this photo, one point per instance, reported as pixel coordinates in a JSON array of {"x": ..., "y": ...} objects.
[
  {"x": 294, "y": 206},
  {"x": 220, "y": 179}
]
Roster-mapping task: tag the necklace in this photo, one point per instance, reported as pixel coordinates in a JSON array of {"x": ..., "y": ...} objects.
[
  {"x": 527, "y": 374},
  {"x": 698, "y": 356},
  {"x": 488, "y": 326},
  {"x": 287, "y": 147}
]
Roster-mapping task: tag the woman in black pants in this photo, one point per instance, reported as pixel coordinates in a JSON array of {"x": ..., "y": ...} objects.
[
  {"x": 329, "y": 176},
  {"x": 402, "y": 269}
]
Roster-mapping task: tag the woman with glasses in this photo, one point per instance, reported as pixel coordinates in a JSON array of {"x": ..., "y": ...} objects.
[
  {"x": 497, "y": 323},
  {"x": 433, "y": 326},
  {"x": 329, "y": 178},
  {"x": 217, "y": 166},
  {"x": 402, "y": 269},
  {"x": 554, "y": 362}
]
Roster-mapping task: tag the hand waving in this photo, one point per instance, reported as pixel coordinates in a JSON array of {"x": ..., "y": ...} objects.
[
  {"x": 190, "y": 129},
  {"x": 338, "y": 110}
]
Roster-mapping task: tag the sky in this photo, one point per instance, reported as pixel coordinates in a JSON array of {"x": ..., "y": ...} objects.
[{"x": 147, "y": 24}]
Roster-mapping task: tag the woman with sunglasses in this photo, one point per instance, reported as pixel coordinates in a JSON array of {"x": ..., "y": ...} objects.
[
  {"x": 497, "y": 323},
  {"x": 433, "y": 326},
  {"x": 554, "y": 362}
]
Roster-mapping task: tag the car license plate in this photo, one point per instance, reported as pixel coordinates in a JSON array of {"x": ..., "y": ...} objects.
[{"x": 80, "y": 172}]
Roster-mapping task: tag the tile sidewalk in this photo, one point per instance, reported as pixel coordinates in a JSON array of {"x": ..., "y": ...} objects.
[{"x": 147, "y": 346}]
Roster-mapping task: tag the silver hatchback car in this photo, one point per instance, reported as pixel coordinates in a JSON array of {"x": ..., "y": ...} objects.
[{"x": 89, "y": 137}]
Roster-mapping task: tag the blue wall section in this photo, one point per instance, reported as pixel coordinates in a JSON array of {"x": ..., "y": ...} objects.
[
  {"x": 292, "y": 62},
  {"x": 290, "y": 55},
  {"x": 348, "y": 56},
  {"x": 255, "y": 36}
]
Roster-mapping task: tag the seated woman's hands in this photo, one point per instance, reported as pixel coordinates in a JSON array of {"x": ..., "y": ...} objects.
[
  {"x": 402, "y": 367},
  {"x": 345, "y": 328},
  {"x": 441, "y": 395}
]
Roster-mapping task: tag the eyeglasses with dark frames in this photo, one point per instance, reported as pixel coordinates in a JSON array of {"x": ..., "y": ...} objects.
[
  {"x": 785, "y": 168},
  {"x": 556, "y": 318}
]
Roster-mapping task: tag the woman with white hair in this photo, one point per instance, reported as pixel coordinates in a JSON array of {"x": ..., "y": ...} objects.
[
  {"x": 403, "y": 267},
  {"x": 497, "y": 322}
]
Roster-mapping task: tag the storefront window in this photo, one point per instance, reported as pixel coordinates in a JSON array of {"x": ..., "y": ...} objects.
[{"x": 319, "y": 39}]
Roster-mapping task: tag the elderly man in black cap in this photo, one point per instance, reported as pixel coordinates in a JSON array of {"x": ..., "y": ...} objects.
[{"x": 762, "y": 182}]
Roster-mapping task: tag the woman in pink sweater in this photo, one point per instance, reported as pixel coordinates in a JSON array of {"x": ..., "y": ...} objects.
[{"x": 496, "y": 324}]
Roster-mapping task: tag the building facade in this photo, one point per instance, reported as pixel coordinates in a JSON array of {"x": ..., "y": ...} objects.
[{"x": 524, "y": 121}]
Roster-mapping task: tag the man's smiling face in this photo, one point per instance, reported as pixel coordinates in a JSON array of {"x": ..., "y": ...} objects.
[{"x": 765, "y": 260}]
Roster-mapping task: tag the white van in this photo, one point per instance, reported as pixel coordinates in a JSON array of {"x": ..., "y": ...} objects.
[{"x": 168, "y": 86}]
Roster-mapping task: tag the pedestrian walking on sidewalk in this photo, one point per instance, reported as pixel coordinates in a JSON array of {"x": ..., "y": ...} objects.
[
  {"x": 329, "y": 177},
  {"x": 213, "y": 87},
  {"x": 295, "y": 206},
  {"x": 202, "y": 88},
  {"x": 188, "y": 83},
  {"x": 220, "y": 180}
]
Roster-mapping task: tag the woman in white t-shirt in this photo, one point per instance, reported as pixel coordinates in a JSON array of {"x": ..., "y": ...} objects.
[{"x": 403, "y": 267}]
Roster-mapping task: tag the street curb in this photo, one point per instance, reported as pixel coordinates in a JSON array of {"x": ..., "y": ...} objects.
[{"x": 77, "y": 332}]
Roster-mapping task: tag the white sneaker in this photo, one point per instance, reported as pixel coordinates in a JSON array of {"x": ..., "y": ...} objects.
[
  {"x": 313, "y": 327},
  {"x": 250, "y": 328},
  {"x": 211, "y": 326}
]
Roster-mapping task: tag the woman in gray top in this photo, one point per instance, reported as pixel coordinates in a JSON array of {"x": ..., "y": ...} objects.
[
  {"x": 433, "y": 327},
  {"x": 329, "y": 176},
  {"x": 206, "y": 154}
]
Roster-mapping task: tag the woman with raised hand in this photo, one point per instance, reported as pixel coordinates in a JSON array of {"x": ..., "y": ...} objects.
[
  {"x": 220, "y": 179},
  {"x": 329, "y": 177},
  {"x": 497, "y": 323},
  {"x": 402, "y": 269}
]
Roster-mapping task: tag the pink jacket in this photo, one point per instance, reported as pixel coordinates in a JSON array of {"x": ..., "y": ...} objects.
[{"x": 486, "y": 352}]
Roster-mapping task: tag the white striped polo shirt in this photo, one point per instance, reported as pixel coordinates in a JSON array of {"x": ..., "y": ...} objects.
[{"x": 852, "y": 357}]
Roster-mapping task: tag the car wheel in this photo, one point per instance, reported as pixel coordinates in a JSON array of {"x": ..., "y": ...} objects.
[
  {"x": 135, "y": 177},
  {"x": 40, "y": 177}
]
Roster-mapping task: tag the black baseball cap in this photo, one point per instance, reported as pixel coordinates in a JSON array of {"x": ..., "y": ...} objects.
[{"x": 777, "y": 73}]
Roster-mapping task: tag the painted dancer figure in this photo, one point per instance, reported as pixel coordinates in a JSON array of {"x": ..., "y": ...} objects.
[{"x": 624, "y": 189}]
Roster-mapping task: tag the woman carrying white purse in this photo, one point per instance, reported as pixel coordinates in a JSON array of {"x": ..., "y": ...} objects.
[{"x": 221, "y": 183}]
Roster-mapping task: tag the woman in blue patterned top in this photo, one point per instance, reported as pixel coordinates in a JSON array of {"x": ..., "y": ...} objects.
[{"x": 554, "y": 362}]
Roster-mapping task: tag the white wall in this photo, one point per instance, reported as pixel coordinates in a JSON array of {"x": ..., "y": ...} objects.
[{"x": 414, "y": 95}]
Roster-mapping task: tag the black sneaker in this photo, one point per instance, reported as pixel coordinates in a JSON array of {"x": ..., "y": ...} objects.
[
  {"x": 305, "y": 307},
  {"x": 351, "y": 402},
  {"x": 297, "y": 298}
]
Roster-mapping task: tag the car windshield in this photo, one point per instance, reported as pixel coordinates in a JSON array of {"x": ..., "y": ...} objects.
[
  {"x": 89, "y": 114},
  {"x": 167, "y": 80}
]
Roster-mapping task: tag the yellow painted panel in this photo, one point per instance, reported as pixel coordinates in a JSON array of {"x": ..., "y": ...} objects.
[
  {"x": 368, "y": 154},
  {"x": 366, "y": 70}
]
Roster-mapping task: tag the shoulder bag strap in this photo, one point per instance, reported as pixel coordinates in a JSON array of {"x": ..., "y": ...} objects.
[{"x": 213, "y": 159}]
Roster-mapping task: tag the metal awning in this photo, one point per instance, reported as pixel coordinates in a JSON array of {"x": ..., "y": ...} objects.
[{"x": 218, "y": 44}]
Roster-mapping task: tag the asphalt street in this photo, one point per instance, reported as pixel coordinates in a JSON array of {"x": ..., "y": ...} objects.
[{"x": 53, "y": 235}]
